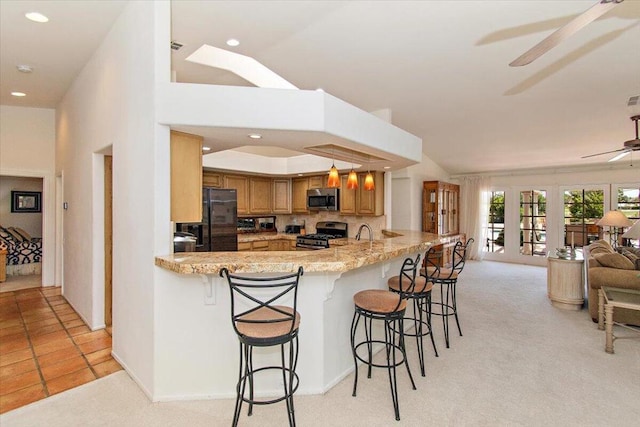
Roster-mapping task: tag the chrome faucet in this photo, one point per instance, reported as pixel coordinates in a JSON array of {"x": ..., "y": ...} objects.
[{"x": 368, "y": 227}]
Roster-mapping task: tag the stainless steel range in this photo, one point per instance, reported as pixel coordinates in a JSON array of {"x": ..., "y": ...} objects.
[{"x": 325, "y": 231}]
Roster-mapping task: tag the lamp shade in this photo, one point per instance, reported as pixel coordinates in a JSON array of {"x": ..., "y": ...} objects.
[
  {"x": 369, "y": 185},
  {"x": 614, "y": 219},
  {"x": 334, "y": 178},
  {"x": 633, "y": 232},
  {"x": 352, "y": 180}
]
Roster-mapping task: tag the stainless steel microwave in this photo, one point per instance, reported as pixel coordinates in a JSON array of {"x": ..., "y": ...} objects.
[{"x": 323, "y": 199}]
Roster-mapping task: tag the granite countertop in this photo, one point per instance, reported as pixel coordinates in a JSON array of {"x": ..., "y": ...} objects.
[{"x": 339, "y": 258}]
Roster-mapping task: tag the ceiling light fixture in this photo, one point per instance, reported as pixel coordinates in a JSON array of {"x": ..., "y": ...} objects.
[
  {"x": 18, "y": 94},
  {"x": 233, "y": 42},
  {"x": 36, "y": 17},
  {"x": 352, "y": 179},
  {"x": 334, "y": 178},
  {"x": 24, "y": 68},
  {"x": 254, "y": 136},
  {"x": 206, "y": 148},
  {"x": 369, "y": 185},
  {"x": 387, "y": 167}
]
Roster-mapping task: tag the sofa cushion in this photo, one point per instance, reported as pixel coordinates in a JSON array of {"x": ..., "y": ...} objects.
[
  {"x": 614, "y": 260},
  {"x": 635, "y": 259}
]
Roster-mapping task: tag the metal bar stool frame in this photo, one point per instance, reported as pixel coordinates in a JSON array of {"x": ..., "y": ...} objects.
[
  {"x": 255, "y": 328},
  {"x": 420, "y": 295},
  {"x": 447, "y": 278},
  {"x": 393, "y": 327}
]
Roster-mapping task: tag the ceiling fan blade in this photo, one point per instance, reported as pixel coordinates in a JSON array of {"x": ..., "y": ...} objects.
[
  {"x": 565, "y": 32},
  {"x": 619, "y": 156},
  {"x": 606, "y": 152}
]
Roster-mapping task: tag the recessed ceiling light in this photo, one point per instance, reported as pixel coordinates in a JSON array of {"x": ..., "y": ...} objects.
[
  {"x": 387, "y": 167},
  {"x": 233, "y": 42},
  {"x": 254, "y": 136},
  {"x": 206, "y": 148},
  {"x": 320, "y": 89},
  {"x": 36, "y": 17},
  {"x": 24, "y": 68},
  {"x": 19, "y": 94}
]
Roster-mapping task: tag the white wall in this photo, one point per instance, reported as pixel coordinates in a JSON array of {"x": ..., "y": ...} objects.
[
  {"x": 27, "y": 148},
  {"x": 112, "y": 104},
  {"x": 406, "y": 193},
  {"x": 553, "y": 182}
]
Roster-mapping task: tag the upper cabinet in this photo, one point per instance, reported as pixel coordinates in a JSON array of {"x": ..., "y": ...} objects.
[
  {"x": 186, "y": 177},
  {"x": 241, "y": 184},
  {"x": 361, "y": 201},
  {"x": 440, "y": 207},
  {"x": 299, "y": 187},
  {"x": 281, "y": 196},
  {"x": 212, "y": 179},
  {"x": 260, "y": 195},
  {"x": 318, "y": 181}
]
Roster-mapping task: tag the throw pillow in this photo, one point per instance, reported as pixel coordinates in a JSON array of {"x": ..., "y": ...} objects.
[
  {"x": 16, "y": 236},
  {"x": 615, "y": 260},
  {"x": 597, "y": 248},
  {"x": 26, "y": 236}
]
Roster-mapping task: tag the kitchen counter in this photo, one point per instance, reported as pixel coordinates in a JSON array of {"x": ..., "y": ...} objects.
[
  {"x": 343, "y": 256},
  {"x": 194, "y": 338}
]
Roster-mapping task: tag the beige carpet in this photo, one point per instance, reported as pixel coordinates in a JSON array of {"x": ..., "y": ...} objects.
[{"x": 521, "y": 362}]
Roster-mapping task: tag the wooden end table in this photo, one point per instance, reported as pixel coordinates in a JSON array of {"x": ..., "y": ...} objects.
[
  {"x": 565, "y": 281},
  {"x": 608, "y": 299}
]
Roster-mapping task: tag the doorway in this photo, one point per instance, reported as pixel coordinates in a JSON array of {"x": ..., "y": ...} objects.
[{"x": 108, "y": 239}]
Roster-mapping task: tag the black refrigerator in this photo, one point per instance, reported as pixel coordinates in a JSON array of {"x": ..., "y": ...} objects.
[{"x": 218, "y": 230}]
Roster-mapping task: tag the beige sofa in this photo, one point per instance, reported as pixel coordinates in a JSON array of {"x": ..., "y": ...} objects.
[{"x": 606, "y": 267}]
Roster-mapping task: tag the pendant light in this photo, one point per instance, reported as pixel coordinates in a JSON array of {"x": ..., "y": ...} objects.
[
  {"x": 352, "y": 179},
  {"x": 334, "y": 177},
  {"x": 369, "y": 185}
]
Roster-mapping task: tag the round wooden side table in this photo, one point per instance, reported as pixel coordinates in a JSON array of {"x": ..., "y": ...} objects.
[{"x": 565, "y": 281}]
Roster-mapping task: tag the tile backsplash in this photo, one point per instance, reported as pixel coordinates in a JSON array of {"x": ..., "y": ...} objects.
[{"x": 377, "y": 223}]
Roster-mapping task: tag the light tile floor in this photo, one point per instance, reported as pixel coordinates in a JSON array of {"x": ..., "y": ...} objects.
[{"x": 45, "y": 348}]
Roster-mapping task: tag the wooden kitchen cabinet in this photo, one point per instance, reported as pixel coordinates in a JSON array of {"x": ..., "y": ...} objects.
[
  {"x": 241, "y": 184},
  {"x": 281, "y": 196},
  {"x": 211, "y": 179},
  {"x": 299, "y": 187},
  {"x": 361, "y": 201},
  {"x": 347, "y": 198},
  {"x": 279, "y": 245},
  {"x": 186, "y": 177},
  {"x": 440, "y": 208},
  {"x": 318, "y": 181},
  {"x": 370, "y": 202},
  {"x": 260, "y": 190}
]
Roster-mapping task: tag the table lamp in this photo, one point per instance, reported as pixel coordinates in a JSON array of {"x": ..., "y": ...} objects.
[
  {"x": 614, "y": 220},
  {"x": 633, "y": 233}
]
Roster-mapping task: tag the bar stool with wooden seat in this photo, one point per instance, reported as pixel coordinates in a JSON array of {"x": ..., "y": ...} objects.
[
  {"x": 420, "y": 294},
  {"x": 447, "y": 278},
  {"x": 259, "y": 321},
  {"x": 389, "y": 307}
]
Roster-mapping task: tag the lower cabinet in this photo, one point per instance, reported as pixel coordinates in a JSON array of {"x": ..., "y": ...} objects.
[{"x": 268, "y": 245}]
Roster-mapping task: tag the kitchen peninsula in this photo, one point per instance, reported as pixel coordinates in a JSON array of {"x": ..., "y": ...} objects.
[{"x": 195, "y": 328}]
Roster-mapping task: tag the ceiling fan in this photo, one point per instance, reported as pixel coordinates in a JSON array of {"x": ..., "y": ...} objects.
[
  {"x": 629, "y": 146},
  {"x": 572, "y": 27}
]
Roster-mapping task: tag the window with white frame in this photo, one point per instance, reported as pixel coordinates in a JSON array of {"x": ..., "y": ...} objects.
[
  {"x": 582, "y": 209},
  {"x": 495, "y": 224},
  {"x": 533, "y": 218},
  {"x": 628, "y": 202}
]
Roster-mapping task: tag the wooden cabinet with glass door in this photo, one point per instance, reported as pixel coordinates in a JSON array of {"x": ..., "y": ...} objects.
[{"x": 440, "y": 208}]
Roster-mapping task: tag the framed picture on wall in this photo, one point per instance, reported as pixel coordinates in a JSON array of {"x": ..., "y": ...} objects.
[{"x": 26, "y": 201}]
